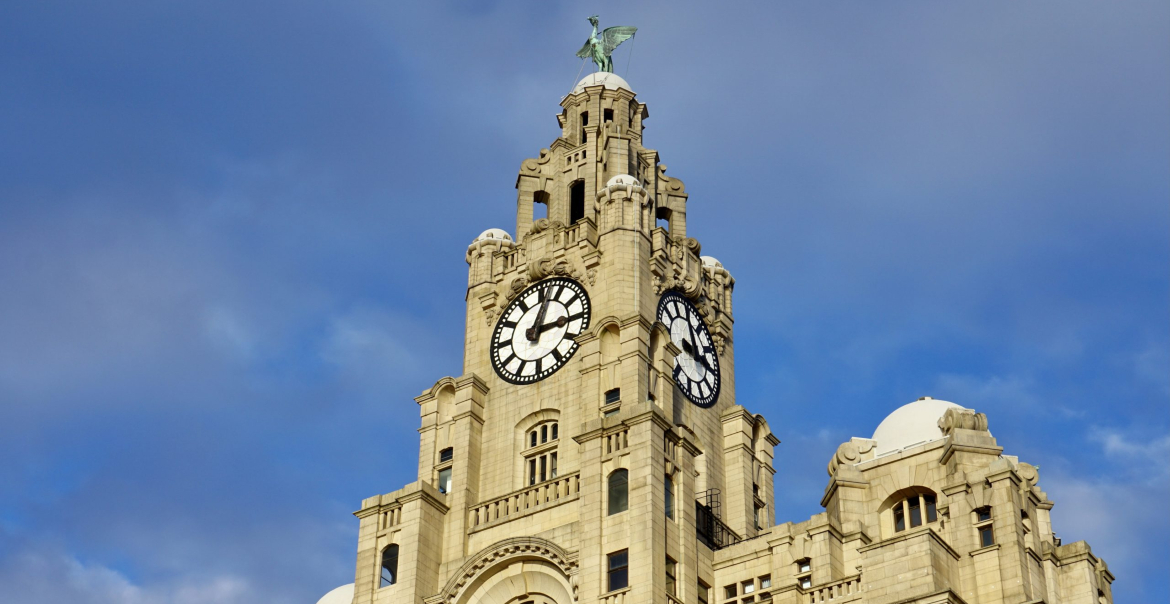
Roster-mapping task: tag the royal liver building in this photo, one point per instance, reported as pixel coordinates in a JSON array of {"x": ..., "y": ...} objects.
[{"x": 593, "y": 450}]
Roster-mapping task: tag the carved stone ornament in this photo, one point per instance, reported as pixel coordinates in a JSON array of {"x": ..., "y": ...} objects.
[
  {"x": 518, "y": 548},
  {"x": 518, "y": 284},
  {"x": 548, "y": 267},
  {"x": 533, "y": 164},
  {"x": 962, "y": 419},
  {"x": 489, "y": 316},
  {"x": 544, "y": 224},
  {"x": 849, "y": 454},
  {"x": 591, "y": 276}
]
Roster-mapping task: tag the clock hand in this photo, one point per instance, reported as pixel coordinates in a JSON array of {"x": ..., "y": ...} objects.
[
  {"x": 690, "y": 350},
  {"x": 533, "y": 333}
]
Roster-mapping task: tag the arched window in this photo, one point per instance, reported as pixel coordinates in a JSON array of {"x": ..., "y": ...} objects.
[
  {"x": 584, "y": 122},
  {"x": 540, "y": 455},
  {"x": 619, "y": 491},
  {"x": 389, "y": 566},
  {"x": 669, "y": 497},
  {"x": 576, "y": 201},
  {"x": 914, "y": 510}
]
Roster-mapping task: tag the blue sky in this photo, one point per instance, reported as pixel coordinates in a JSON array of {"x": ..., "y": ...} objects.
[{"x": 232, "y": 238}]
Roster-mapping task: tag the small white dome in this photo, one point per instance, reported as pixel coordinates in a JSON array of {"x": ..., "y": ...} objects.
[
  {"x": 912, "y": 424},
  {"x": 623, "y": 179},
  {"x": 711, "y": 261},
  {"x": 602, "y": 78},
  {"x": 494, "y": 234},
  {"x": 341, "y": 595}
]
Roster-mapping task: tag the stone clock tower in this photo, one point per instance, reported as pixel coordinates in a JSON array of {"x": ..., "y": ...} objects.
[
  {"x": 564, "y": 464},
  {"x": 593, "y": 449}
]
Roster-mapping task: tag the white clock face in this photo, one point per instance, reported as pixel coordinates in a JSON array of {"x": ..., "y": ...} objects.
[
  {"x": 696, "y": 368},
  {"x": 535, "y": 334}
]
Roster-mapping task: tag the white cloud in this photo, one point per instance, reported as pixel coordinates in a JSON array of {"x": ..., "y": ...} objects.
[{"x": 48, "y": 577}]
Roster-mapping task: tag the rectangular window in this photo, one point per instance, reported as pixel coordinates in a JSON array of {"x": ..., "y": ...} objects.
[
  {"x": 670, "y": 589},
  {"x": 608, "y": 115},
  {"x": 983, "y": 514},
  {"x": 446, "y": 455},
  {"x": 704, "y": 593},
  {"x": 611, "y": 413},
  {"x": 543, "y": 463},
  {"x": 915, "y": 512},
  {"x": 554, "y": 431},
  {"x": 544, "y": 434},
  {"x": 531, "y": 471},
  {"x": 986, "y": 537},
  {"x": 532, "y": 439},
  {"x": 747, "y": 600},
  {"x": 899, "y": 518},
  {"x": 619, "y": 566},
  {"x": 552, "y": 466},
  {"x": 445, "y": 480},
  {"x": 805, "y": 566},
  {"x": 931, "y": 512},
  {"x": 765, "y": 581},
  {"x": 730, "y": 592},
  {"x": 613, "y": 396},
  {"x": 805, "y": 582},
  {"x": 748, "y": 587}
]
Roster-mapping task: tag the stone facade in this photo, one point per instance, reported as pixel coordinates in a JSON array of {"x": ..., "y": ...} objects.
[{"x": 479, "y": 525}]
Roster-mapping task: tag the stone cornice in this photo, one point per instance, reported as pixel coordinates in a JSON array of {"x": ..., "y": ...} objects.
[
  {"x": 951, "y": 448},
  {"x": 417, "y": 492},
  {"x": 912, "y": 534}
]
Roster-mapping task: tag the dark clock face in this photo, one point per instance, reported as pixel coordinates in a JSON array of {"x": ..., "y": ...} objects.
[
  {"x": 696, "y": 368},
  {"x": 534, "y": 336}
]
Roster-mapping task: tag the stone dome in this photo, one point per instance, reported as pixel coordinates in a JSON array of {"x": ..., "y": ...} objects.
[
  {"x": 711, "y": 261},
  {"x": 912, "y": 424},
  {"x": 623, "y": 179},
  {"x": 601, "y": 78},
  {"x": 494, "y": 234},
  {"x": 341, "y": 595}
]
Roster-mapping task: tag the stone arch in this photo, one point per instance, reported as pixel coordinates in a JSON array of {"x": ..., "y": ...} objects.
[{"x": 510, "y": 569}]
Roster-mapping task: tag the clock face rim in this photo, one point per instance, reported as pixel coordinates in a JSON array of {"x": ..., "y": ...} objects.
[
  {"x": 702, "y": 402},
  {"x": 494, "y": 349}
]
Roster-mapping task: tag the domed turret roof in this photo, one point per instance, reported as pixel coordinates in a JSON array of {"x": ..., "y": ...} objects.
[
  {"x": 341, "y": 595},
  {"x": 711, "y": 261},
  {"x": 912, "y": 424},
  {"x": 601, "y": 78},
  {"x": 494, "y": 234}
]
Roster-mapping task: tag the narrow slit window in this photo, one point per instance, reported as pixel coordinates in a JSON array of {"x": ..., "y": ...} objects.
[
  {"x": 931, "y": 510},
  {"x": 669, "y": 497},
  {"x": 915, "y": 512},
  {"x": 543, "y": 463},
  {"x": 618, "y": 491},
  {"x": 704, "y": 593},
  {"x": 532, "y": 439},
  {"x": 899, "y": 518},
  {"x": 552, "y": 466},
  {"x": 670, "y": 571},
  {"x": 531, "y": 471},
  {"x": 389, "y": 566},
  {"x": 576, "y": 201},
  {"x": 543, "y": 434},
  {"x": 554, "y": 431}
]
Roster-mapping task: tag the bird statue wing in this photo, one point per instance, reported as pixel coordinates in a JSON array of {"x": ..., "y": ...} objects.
[
  {"x": 587, "y": 50},
  {"x": 612, "y": 36}
]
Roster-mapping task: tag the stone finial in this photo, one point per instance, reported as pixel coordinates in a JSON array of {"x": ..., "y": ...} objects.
[{"x": 962, "y": 419}]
